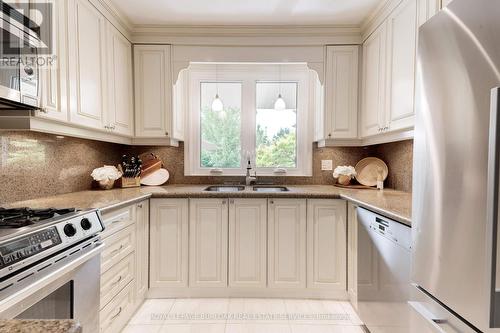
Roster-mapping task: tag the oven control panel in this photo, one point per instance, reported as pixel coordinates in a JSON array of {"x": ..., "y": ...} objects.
[
  {"x": 33, "y": 246},
  {"x": 27, "y": 246}
]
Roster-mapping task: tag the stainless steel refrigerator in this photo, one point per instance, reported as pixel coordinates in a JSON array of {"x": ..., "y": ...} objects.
[{"x": 455, "y": 259}]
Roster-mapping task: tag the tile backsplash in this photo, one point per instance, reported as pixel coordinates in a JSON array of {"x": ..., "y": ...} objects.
[{"x": 35, "y": 165}]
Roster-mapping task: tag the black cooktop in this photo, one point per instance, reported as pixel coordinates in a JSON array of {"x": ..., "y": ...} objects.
[{"x": 21, "y": 217}]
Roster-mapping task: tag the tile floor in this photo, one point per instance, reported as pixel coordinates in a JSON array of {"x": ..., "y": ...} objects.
[{"x": 244, "y": 315}]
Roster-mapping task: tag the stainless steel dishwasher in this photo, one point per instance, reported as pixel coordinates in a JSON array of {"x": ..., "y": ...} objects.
[{"x": 383, "y": 273}]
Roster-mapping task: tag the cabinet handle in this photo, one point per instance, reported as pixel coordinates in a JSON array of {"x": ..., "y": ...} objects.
[
  {"x": 117, "y": 250},
  {"x": 329, "y": 135},
  {"x": 139, "y": 206},
  {"x": 117, "y": 314},
  {"x": 166, "y": 133},
  {"x": 223, "y": 202},
  {"x": 271, "y": 202},
  {"x": 117, "y": 281},
  {"x": 43, "y": 110},
  {"x": 112, "y": 127}
]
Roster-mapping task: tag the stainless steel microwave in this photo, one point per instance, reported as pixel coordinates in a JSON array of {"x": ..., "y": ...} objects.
[{"x": 19, "y": 72}]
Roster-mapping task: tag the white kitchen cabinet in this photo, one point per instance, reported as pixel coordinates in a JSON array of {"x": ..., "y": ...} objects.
[
  {"x": 120, "y": 112},
  {"x": 401, "y": 60},
  {"x": 287, "y": 243},
  {"x": 247, "y": 243},
  {"x": 208, "y": 242},
  {"x": 153, "y": 91},
  {"x": 326, "y": 244},
  {"x": 389, "y": 56},
  {"x": 142, "y": 251},
  {"x": 341, "y": 93},
  {"x": 169, "y": 243},
  {"x": 87, "y": 65},
  {"x": 352, "y": 253},
  {"x": 53, "y": 76},
  {"x": 373, "y": 87}
]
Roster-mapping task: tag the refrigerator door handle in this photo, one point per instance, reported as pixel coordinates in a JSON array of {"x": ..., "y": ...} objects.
[
  {"x": 493, "y": 203},
  {"x": 430, "y": 318}
]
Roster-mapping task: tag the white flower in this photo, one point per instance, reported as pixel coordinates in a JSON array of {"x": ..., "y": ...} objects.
[
  {"x": 344, "y": 170},
  {"x": 107, "y": 172}
]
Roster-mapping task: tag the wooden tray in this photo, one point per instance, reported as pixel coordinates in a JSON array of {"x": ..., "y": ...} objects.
[
  {"x": 367, "y": 171},
  {"x": 359, "y": 187}
]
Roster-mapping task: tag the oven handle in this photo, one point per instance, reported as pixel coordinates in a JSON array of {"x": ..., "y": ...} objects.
[{"x": 45, "y": 280}]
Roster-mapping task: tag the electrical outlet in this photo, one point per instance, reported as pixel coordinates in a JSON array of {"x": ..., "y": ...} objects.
[{"x": 326, "y": 165}]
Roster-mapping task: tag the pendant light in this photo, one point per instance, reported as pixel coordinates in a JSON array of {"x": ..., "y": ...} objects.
[
  {"x": 280, "y": 104},
  {"x": 217, "y": 105}
]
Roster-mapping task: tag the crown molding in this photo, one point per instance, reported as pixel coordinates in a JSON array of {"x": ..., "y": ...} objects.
[
  {"x": 116, "y": 17},
  {"x": 249, "y": 35},
  {"x": 377, "y": 17}
]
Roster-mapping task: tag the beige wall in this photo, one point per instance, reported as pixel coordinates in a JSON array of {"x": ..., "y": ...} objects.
[{"x": 36, "y": 165}]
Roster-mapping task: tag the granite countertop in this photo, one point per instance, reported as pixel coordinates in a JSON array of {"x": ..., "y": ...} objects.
[
  {"x": 392, "y": 204},
  {"x": 39, "y": 326}
]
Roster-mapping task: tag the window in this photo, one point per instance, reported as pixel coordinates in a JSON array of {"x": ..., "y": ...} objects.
[{"x": 220, "y": 140}]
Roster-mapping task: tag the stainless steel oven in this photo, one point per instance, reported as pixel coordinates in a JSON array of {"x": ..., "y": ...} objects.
[
  {"x": 19, "y": 75},
  {"x": 50, "y": 269}
]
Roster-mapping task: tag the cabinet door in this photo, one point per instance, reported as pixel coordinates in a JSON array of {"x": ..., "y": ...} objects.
[
  {"x": 153, "y": 91},
  {"x": 352, "y": 254},
  {"x": 401, "y": 46},
  {"x": 142, "y": 250},
  {"x": 87, "y": 61},
  {"x": 208, "y": 228},
  {"x": 53, "y": 76},
  {"x": 341, "y": 118},
  {"x": 169, "y": 243},
  {"x": 287, "y": 243},
  {"x": 247, "y": 242},
  {"x": 373, "y": 102},
  {"x": 326, "y": 244},
  {"x": 121, "y": 103}
]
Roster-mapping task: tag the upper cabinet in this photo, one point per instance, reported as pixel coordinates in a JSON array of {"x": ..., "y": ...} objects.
[
  {"x": 120, "y": 87},
  {"x": 87, "y": 62},
  {"x": 341, "y": 98},
  {"x": 153, "y": 91},
  {"x": 401, "y": 56},
  {"x": 53, "y": 92},
  {"x": 389, "y": 55},
  {"x": 373, "y": 99},
  {"x": 340, "y": 118}
]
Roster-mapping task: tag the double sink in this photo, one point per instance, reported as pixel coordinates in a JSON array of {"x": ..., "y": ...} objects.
[{"x": 238, "y": 188}]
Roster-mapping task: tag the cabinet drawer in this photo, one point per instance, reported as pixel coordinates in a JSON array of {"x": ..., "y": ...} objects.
[
  {"x": 117, "y": 247},
  {"x": 115, "y": 315},
  {"x": 117, "y": 219},
  {"x": 116, "y": 278}
]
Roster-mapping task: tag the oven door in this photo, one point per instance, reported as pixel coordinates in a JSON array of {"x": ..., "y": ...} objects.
[{"x": 69, "y": 289}]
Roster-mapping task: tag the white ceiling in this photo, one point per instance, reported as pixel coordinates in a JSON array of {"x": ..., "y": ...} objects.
[{"x": 247, "y": 12}]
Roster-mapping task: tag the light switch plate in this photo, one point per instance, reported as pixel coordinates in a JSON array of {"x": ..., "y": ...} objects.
[{"x": 326, "y": 165}]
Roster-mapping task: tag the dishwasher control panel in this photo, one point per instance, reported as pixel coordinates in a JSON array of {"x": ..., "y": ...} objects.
[{"x": 392, "y": 230}]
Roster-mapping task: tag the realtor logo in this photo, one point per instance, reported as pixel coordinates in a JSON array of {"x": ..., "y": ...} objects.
[{"x": 27, "y": 32}]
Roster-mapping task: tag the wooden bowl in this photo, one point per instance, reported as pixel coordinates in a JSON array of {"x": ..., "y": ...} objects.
[{"x": 368, "y": 170}]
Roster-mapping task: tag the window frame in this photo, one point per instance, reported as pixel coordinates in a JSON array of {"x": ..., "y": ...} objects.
[{"x": 249, "y": 75}]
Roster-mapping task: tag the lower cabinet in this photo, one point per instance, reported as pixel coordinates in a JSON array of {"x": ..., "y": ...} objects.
[
  {"x": 326, "y": 244},
  {"x": 240, "y": 247},
  {"x": 352, "y": 254},
  {"x": 124, "y": 264},
  {"x": 208, "y": 242},
  {"x": 247, "y": 243},
  {"x": 169, "y": 243},
  {"x": 287, "y": 243}
]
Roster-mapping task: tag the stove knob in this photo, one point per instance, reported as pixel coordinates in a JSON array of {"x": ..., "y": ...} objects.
[
  {"x": 69, "y": 230},
  {"x": 86, "y": 224}
]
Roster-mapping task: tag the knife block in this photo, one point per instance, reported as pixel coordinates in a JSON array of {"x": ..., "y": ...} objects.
[{"x": 130, "y": 182}]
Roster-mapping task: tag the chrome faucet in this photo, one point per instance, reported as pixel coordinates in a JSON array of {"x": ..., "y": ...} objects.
[{"x": 249, "y": 180}]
